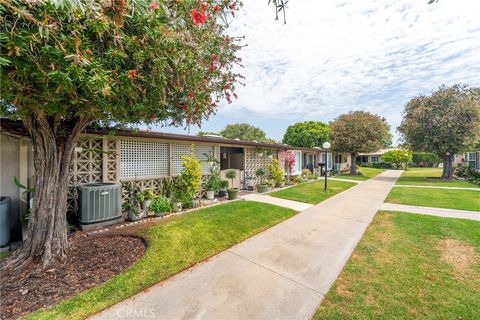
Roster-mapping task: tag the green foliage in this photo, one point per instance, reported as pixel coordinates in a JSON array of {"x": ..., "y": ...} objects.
[
  {"x": 119, "y": 61},
  {"x": 260, "y": 172},
  {"x": 134, "y": 198},
  {"x": 243, "y": 131},
  {"x": 214, "y": 181},
  {"x": 378, "y": 165},
  {"x": 306, "y": 134},
  {"x": 359, "y": 131},
  {"x": 167, "y": 188},
  {"x": 231, "y": 174},
  {"x": 191, "y": 175},
  {"x": 161, "y": 205},
  {"x": 445, "y": 122},
  {"x": 223, "y": 184},
  {"x": 397, "y": 157},
  {"x": 148, "y": 194},
  {"x": 276, "y": 173},
  {"x": 428, "y": 157}
]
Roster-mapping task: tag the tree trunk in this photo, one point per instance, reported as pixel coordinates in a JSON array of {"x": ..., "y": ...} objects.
[
  {"x": 353, "y": 163},
  {"x": 447, "y": 167},
  {"x": 47, "y": 230}
]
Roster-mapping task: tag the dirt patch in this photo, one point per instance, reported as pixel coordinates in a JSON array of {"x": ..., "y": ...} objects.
[
  {"x": 459, "y": 254},
  {"x": 369, "y": 298},
  {"x": 342, "y": 289},
  {"x": 90, "y": 262}
]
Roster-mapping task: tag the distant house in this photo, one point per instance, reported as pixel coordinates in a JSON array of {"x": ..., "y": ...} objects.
[
  {"x": 373, "y": 157},
  {"x": 472, "y": 159}
]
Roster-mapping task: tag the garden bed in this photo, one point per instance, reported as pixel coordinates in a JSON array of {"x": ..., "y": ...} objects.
[{"x": 90, "y": 262}]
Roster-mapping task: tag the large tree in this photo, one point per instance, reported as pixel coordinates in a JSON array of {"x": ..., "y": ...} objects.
[
  {"x": 446, "y": 123},
  {"x": 359, "y": 131},
  {"x": 307, "y": 134},
  {"x": 66, "y": 64},
  {"x": 243, "y": 131}
]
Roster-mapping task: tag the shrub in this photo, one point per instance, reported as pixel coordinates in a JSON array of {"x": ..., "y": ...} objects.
[
  {"x": 231, "y": 174},
  {"x": 223, "y": 184},
  {"x": 397, "y": 157},
  {"x": 306, "y": 172},
  {"x": 161, "y": 205},
  {"x": 296, "y": 179},
  {"x": 276, "y": 173},
  {"x": 213, "y": 182},
  {"x": 377, "y": 165},
  {"x": 191, "y": 176},
  {"x": 148, "y": 194},
  {"x": 260, "y": 173}
]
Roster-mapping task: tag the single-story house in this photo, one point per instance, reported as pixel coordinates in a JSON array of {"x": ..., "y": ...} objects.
[
  {"x": 470, "y": 158},
  {"x": 145, "y": 157},
  {"x": 373, "y": 157}
]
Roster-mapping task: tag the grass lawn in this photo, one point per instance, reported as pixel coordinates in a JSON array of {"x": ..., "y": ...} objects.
[
  {"x": 410, "y": 267},
  {"x": 312, "y": 192},
  {"x": 439, "y": 198},
  {"x": 430, "y": 177},
  {"x": 367, "y": 174},
  {"x": 174, "y": 245}
]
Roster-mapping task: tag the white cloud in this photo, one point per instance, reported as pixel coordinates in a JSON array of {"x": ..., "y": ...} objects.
[{"x": 335, "y": 56}]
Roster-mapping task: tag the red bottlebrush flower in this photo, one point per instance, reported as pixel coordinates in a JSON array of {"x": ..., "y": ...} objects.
[
  {"x": 226, "y": 39},
  {"x": 235, "y": 95},
  {"x": 204, "y": 6},
  {"x": 153, "y": 5},
  {"x": 184, "y": 107},
  {"x": 212, "y": 67},
  {"x": 198, "y": 17},
  {"x": 177, "y": 84},
  {"x": 132, "y": 74},
  {"x": 190, "y": 95},
  {"x": 227, "y": 86},
  {"x": 232, "y": 6},
  {"x": 153, "y": 117},
  {"x": 216, "y": 8},
  {"x": 214, "y": 57}
]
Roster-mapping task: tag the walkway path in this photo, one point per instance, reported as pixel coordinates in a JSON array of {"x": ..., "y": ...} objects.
[
  {"x": 434, "y": 187},
  {"x": 295, "y": 205},
  {"x": 281, "y": 273},
  {"x": 440, "y": 212}
]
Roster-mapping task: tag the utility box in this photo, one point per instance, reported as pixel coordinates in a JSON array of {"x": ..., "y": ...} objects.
[{"x": 99, "y": 204}]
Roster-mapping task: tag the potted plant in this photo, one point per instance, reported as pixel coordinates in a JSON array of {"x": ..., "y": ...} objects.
[
  {"x": 250, "y": 183},
  {"x": 223, "y": 188},
  {"x": 148, "y": 196},
  {"x": 261, "y": 187},
  {"x": 212, "y": 185},
  {"x": 232, "y": 192},
  {"x": 133, "y": 202},
  {"x": 160, "y": 206}
]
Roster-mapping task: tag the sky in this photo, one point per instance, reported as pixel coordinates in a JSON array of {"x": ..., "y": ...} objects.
[{"x": 335, "y": 56}]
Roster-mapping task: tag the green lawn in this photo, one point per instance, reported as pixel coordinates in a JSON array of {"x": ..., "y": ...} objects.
[
  {"x": 439, "y": 198},
  {"x": 367, "y": 173},
  {"x": 174, "y": 245},
  {"x": 410, "y": 267},
  {"x": 430, "y": 177},
  {"x": 312, "y": 192}
]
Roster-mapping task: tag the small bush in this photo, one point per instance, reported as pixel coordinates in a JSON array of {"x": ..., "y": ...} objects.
[
  {"x": 276, "y": 173},
  {"x": 296, "y": 179},
  {"x": 160, "y": 205}
]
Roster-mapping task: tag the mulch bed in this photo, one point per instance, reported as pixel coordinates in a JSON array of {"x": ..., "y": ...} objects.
[{"x": 90, "y": 262}]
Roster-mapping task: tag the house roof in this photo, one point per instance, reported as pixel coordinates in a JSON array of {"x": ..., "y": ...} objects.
[
  {"x": 379, "y": 152},
  {"x": 16, "y": 128}
]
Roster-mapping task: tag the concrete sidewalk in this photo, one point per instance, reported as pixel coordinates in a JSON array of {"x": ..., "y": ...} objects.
[
  {"x": 281, "y": 273},
  {"x": 435, "y": 187},
  {"x": 295, "y": 205},
  {"x": 439, "y": 212}
]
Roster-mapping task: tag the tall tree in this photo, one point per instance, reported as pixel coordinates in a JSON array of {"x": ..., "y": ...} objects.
[
  {"x": 66, "y": 64},
  {"x": 243, "y": 131},
  {"x": 446, "y": 123},
  {"x": 359, "y": 131},
  {"x": 307, "y": 134}
]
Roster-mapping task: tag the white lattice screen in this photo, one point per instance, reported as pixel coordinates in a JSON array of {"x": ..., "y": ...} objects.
[
  {"x": 179, "y": 150},
  {"x": 143, "y": 158},
  {"x": 200, "y": 152}
]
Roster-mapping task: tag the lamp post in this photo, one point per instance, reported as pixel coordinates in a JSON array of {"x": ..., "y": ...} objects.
[{"x": 326, "y": 146}]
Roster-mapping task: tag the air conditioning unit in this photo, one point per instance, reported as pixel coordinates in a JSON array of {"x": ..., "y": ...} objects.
[{"x": 100, "y": 204}]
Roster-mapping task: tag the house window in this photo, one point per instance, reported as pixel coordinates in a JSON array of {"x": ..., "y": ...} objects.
[
  {"x": 374, "y": 159},
  {"x": 143, "y": 159},
  {"x": 471, "y": 158}
]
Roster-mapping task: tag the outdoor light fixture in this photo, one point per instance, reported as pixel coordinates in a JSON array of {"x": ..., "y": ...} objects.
[{"x": 326, "y": 146}]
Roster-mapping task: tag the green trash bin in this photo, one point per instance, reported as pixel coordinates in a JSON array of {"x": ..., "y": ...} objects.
[{"x": 4, "y": 221}]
